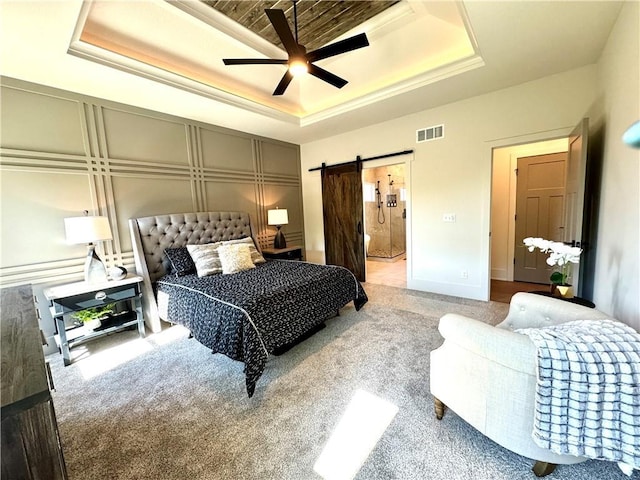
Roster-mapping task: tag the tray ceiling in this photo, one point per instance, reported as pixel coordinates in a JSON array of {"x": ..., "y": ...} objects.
[{"x": 182, "y": 43}]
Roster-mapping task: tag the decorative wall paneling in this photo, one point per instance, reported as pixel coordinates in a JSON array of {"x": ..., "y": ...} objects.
[{"x": 62, "y": 153}]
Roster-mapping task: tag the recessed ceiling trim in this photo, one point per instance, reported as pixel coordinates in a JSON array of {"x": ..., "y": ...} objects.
[
  {"x": 418, "y": 81},
  {"x": 374, "y": 27},
  {"x": 467, "y": 26},
  {"x": 120, "y": 62},
  {"x": 221, "y": 22},
  {"x": 92, "y": 53}
]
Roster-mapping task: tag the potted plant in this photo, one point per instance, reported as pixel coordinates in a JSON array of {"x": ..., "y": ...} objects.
[
  {"x": 561, "y": 256},
  {"x": 92, "y": 317}
]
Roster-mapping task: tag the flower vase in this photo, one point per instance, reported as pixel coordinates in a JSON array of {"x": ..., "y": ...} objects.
[{"x": 563, "y": 291}]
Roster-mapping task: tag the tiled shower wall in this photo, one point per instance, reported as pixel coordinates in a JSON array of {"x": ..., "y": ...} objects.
[{"x": 386, "y": 226}]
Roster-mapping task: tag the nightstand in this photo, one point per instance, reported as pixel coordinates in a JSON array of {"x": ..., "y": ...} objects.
[
  {"x": 74, "y": 297},
  {"x": 578, "y": 300},
  {"x": 289, "y": 253}
]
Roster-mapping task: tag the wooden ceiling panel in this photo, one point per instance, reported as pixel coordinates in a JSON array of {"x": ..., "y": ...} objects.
[{"x": 319, "y": 21}]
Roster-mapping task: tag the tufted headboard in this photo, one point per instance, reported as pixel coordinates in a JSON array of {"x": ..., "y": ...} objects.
[{"x": 151, "y": 235}]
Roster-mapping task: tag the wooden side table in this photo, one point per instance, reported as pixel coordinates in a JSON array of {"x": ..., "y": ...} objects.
[
  {"x": 289, "y": 253},
  {"x": 74, "y": 297}
]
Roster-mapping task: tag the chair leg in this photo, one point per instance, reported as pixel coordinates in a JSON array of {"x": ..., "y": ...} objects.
[
  {"x": 543, "y": 468},
  {"x": 439, "y": 407}
]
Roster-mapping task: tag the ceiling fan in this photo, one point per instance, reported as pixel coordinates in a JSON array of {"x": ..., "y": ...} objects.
[{"x": 299, "y": 60}]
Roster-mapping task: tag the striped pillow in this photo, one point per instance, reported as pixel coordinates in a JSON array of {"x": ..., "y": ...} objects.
[{"x": 206, "y": 258}]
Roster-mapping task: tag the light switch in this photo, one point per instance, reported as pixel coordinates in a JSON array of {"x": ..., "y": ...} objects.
[{"x": 449, "y": 217}]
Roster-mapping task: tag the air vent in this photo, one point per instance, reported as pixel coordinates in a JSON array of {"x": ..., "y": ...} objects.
[{"x": 429, "y": 133}]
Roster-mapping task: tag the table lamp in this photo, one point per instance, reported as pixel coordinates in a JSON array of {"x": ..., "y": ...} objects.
[
  {"x": 278, "y": 217},
  {"x": 88, "y": 230}
]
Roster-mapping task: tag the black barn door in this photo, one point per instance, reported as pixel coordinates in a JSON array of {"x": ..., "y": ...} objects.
[{"x": 343, "y": 216}]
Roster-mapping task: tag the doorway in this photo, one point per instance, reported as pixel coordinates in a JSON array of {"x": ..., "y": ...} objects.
[
  {"x": 384, "y": 195},
  {"x": 503, "y": 213}
]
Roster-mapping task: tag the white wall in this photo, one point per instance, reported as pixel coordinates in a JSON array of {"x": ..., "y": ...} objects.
[
  {"x": 452, "y": 175},
  {"x": 617, "y": 288},
  {"x": 503, "y": 201}
]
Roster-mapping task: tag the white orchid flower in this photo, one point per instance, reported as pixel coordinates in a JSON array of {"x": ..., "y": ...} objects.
[{"x": 560, "y": 254}]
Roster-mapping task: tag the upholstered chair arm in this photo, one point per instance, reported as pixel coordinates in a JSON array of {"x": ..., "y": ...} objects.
[
  {"x": 528, "y": 310},
  {"x": 512, "y": 350}
]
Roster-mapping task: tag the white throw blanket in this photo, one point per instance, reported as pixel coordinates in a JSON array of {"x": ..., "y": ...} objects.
[{"x": 588, "y": 390}]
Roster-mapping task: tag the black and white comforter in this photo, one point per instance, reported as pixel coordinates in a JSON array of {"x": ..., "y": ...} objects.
[
  {"x": 250, "y": 314},
  {"x": 588, "y": 390}
]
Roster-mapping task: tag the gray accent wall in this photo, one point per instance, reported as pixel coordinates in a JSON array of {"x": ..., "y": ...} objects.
[{"x": 62, "y": 153}]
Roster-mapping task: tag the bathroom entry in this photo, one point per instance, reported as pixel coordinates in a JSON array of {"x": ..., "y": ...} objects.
[{"x": 385, "y": 212}]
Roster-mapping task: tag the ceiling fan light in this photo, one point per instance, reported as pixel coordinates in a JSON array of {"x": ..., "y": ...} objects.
[{"x": 298, "y": 66}]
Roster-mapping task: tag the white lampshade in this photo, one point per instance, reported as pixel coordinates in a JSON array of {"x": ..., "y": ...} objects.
[
  {"x": 277, "y": 217},
  {"x": 87, "y": 229}
]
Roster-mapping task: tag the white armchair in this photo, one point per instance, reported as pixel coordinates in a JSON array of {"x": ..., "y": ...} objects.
[{"x": 487, "y": 375}]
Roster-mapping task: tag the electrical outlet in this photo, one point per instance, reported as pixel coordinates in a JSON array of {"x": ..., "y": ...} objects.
[
  {"x": 449, "y": 217},
  {"x": 464, "y": 274}
]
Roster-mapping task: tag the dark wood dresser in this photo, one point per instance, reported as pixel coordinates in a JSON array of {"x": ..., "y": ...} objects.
[{"x": 30, "y": 442}]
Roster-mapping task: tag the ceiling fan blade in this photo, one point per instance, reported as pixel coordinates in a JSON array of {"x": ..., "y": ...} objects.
[
  {"x": 346, "y": 45},
  {"x": 282, "y": 28},
  {"x": 253, "y": 61},
  {"x": 284, "y": 83},
  {"x": 328, "y": 77}
]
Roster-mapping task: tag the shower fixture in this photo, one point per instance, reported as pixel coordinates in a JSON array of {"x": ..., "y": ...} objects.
[
  {"x": 379, "y": 202},
  {"x": 392, "y": 199}
]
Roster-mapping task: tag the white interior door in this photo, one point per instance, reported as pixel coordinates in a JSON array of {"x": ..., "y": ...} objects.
[{"x": 540, "y": 194}]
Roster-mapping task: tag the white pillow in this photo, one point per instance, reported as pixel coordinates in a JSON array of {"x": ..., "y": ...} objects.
[
  {"x": 256, "y": 256},
  {"x": 206, "y": 258},
  {"x": 235, "y": 258}
]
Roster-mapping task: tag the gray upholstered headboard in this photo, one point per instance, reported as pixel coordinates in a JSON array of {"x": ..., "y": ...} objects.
[{"x": 151, "y": 235}]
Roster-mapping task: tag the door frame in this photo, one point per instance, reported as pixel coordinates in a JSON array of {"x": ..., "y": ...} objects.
[
  {"x": 407, "y": 224},
  {"x": 490, "y": 146}
]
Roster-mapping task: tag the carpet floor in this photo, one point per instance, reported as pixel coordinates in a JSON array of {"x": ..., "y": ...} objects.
[{"x": 164, "y": 407}]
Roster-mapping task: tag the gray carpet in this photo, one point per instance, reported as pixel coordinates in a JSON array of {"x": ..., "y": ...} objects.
[{"x": 166, "y": 408}]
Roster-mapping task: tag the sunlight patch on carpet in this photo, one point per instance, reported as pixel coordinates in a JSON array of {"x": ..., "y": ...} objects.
[
  {"x": 105, "y": 360},
  {"x": 359, "y": 430},
  {"x": 171, "y": 334},
  {"x": 97, "y": 363}
]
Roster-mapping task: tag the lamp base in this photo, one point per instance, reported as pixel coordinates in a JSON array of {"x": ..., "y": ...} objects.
[
  {"x": 94, "y": 271},
  {"x": 279, "y": 241}
]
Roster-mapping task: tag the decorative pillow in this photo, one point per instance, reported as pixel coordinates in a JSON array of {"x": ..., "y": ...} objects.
[
  {"x": 206, "y": 258},
  {"x": 256, "y": 256},
  {"x": 181, "y": 261},
  {"x": 235, "y": 258}
]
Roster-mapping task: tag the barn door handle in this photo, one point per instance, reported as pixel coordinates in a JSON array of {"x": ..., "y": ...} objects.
[{"x": 360, "y": 228}]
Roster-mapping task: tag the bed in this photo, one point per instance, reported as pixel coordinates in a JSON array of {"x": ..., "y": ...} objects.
[{"x": 248, "y": 315}]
